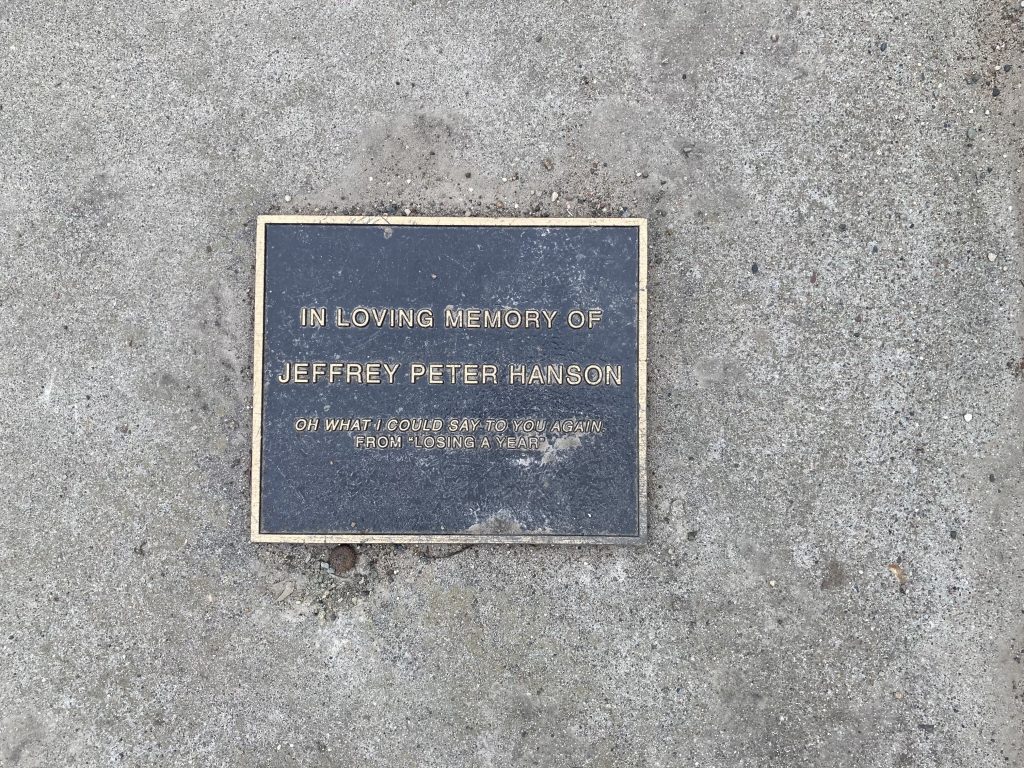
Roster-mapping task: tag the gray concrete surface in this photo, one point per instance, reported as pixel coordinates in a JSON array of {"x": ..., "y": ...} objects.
[{"x": 834, "y": 573}]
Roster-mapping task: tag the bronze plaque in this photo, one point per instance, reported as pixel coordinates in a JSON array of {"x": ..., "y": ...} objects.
[{"x": 449, "y": 380}]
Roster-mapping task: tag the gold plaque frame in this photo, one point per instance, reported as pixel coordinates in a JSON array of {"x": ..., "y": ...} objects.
[{"x": 455, "y": 538}]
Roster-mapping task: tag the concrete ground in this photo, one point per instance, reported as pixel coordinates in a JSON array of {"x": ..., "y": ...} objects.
[{"x": 834, "y": 576}]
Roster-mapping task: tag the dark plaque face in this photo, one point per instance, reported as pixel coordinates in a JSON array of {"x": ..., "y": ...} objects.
[{"x": 449, "y": 380}]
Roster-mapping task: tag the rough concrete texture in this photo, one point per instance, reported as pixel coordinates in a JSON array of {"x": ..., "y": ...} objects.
[{"x": 834, "y": 576}]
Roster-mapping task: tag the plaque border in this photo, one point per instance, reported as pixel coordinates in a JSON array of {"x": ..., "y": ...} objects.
[{"x": 456, "y": 538}]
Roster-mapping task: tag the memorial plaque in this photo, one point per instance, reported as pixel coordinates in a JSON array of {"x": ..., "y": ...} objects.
[{"x": 452, "y": 380}]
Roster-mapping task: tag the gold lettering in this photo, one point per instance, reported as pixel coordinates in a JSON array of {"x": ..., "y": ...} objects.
[
  {"x": 572, "y": 375},
  {"x": 510, "y": 318},
  {"x": 313, "y": 317},
  {"x": 452, "y": 317}
]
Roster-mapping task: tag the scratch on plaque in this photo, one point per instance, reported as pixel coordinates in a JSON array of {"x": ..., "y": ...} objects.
[
  {"x": 455, "y": 261},
  {"x": 359, "y": 346},
  {"x": 554, "y": 450},
  {"x": 503, "y": 524},
  {"x": 496, "y": 524},
  {"x": 292, "y": 486}
]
